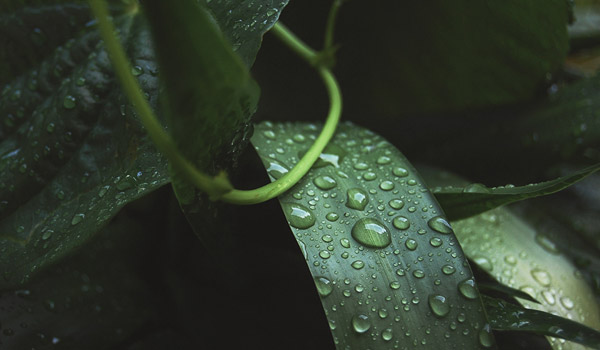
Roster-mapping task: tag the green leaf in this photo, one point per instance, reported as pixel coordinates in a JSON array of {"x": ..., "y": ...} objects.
[
  {"x": 487, "y": 287},
  {"x": 415, "y": 57},
  {"x": 72, "y": 152},
  {"x": 385, "y": 262},
  {"x": 520, "y": 256},
  {"x": 510, "y": 317},
  {"x": 96, "y": 299},
  {"x": 473, "y": 199}
]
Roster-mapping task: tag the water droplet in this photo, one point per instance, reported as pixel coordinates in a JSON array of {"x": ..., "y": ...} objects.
[
  {"x": 80, "y": 81},
  {"x": 331, "y": 155},
  {"x": 541, "y": 276},
  {"x": 126, "y": 183},
  {"x": 69, "y": 102},
  {"x": 411, "y": 244},
  {"x": 358, "y": 264},
  {"x": 47, "y": 234},
  {"x": 359, "y": 288},
  {"x": 325, "y": 182},
  {"x": 435, "y": 242},
  {"x": 448, "y": 269},
  {"x": 387, "y": 334},
  {"x": 383, "y": 160},
  {"x": 324, "y": 254},
  {"x": 476, "y": 188},
  {"x": 396, "y": 204},
  {"x": 418, "y": 273},
  {"x": 332, "y": 216},
  {"x": 510, "y": 259},
  {"x": 298, "y": 215},
  {"x": 467, "y": 288},
  {"x": 345, "y": 242},
  {"x": 270, "y": 134},
  {"x": 440, "y": 225},
  {"x": 276, "y": 168},
  {"x": 77, "y": 218},
  {"x": 486, "y": 339},
  {"x": 395, "y": 285},
  {"x": 103, "y": 191},
  {"x": 324, "y": 286},
  {"x": 547, "y": 243},
  {"x": 371, "y": 233},
  {"x": 137, "y": 71},
  {"x": 369, "y": 176},
  {"x": 439, "y": 305},
  {"x": 356, "y": 199},
  {"x": 50, "y": 127},
  {"x": 299, "y": 138},
  {"x": 401, "y": 223},
  {"x": 483, "y": 262},
  {"x": 361, "y": 323},
  {"x": 548, "y": 297},
  {"x": 400, "y": 172},
  {"x": 386, "y": 185},
  {"x": 567, "y": 303}
]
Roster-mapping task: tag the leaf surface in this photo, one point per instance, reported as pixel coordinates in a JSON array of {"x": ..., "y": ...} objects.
[
  {"x": 510, "y": 317},
  {"x": 385, "y": 263},
  {"x": 462, "y": 202}
]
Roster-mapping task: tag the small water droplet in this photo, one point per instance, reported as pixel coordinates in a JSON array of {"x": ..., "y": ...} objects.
[
  {"x": 486, "y": 339},
  {"x": 383, "y": 160},
  {"x": 547, "y": 243},
  {"x": 483, "y": 262},
  {"x": 371, "y": 233},
  {"x": 467, "y": 288},
  {"x": 401, "y": 223},
  {"x": 332, "y": 216},
  {"x": 324, "y": 254},
  {"x": 411, "y": 244},
  {"x": 369, "y": 176},
  {"x": 77, "y": 218},
  {"x": 435, "y": 242},
  {"x": 50, "y": 127},
  {"x": 345, "y": 242},
  {"x": 418, "y": 274},
  {"x": 325, "y": 182},
  {"x": 356, "y": 199},
  {"x": 440, "y": 225},
  {"x": 137, "y": 71},
  {"x": 270, "y": 134},
  {"x": 361, "y": 323},
  {"x": 324, "y": 286},
  {"x": 567, "y": 303},
  {"x": 448, "y": 269},
  {"x": 395, "y": 285},
  {"x": 386, "y": 185},
  {"x": 548, "y": 297},
  {"x": 69, "y": 102},
  {"x": 387, "y": 334},
  {"x": 476, "y": 188},
  {"x": 439, "y": 305},
  {"x": 358, "y": 264},
  {"x": 298, "y": 215},
  {"x": 400, "y": 172},
  {"x": 47, "y": 234},
  {"x": 396, "y": 204},
  {"x": 541, "y": 276}
]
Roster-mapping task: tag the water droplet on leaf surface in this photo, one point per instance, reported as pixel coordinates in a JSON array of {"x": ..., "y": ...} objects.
[
  {"x": 356, "y": 199},
  {"x": 324, "y": 286},
  {"x": 371, "y": 233},
  {"x": 439, "y": 305},
  {"x": 325, "y": 182},
  {"x": 440, "y": 225},
  {"x": 361, "y": 323},
  {"x": 298, "y": 215}
]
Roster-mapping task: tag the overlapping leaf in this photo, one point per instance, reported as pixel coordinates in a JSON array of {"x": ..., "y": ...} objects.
[{"x": 385, "y": 262}]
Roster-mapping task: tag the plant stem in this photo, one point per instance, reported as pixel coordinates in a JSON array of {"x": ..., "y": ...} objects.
[
  {"x": 328, "y": 42},
  {"x": 219, "y": 187}
]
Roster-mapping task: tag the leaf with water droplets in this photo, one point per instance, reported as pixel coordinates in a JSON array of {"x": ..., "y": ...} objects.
[
  {"x": 464, "y": 201},
  {"x": 384, "y": 260},
  {"x": 506, "y": 316},
  {"x": 72, "y": 152},
  {"x": 516, "y": 253}
]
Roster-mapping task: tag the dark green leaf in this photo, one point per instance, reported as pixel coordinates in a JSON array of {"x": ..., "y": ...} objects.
[
  {"x": 72, "y": 152},
  {"x": 470, "y": 200},
  {"x": 385, "y": 263},
  {"x": 505, "y": 316},
  {"x": 486, "y": 287},
  {"x": 94, "y": 300}
]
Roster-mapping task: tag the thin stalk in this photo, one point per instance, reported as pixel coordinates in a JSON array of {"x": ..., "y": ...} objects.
[{"x": 219, "y": 187}]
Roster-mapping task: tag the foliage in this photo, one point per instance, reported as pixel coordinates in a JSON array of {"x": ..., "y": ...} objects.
[{"x": 89, "y": 258}]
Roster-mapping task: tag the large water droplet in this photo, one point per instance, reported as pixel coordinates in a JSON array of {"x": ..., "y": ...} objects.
[
  {"x": 401, "y": 223},
  {"x": 356, "y": 199},
  {"x": 371, "y": 233},
  {"x": 439, "y": 305},
  {"x": 360, "y": 323},
  {"x": 325, "y": 182},
  {"x": 440, "y": 225},
  {"x": 298, "y": 215},
  {"x": 387, "y": 334},
  {"x": 324, "y": 286},
  {"x": 467, "y": 289}
]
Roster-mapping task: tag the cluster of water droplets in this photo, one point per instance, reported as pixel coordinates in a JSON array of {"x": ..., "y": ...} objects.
[{"x": 360, "y": 213}]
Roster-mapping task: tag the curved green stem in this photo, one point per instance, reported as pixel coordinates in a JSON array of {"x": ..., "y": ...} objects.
[{"x": 219, "y": 187}]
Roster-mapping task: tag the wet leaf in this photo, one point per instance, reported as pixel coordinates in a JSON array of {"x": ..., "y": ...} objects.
[
  {"x": 505, "y": 316},
  {"x": 72, "y": 151},
  {"x": 384, "y": 261},
  {"x": 465, "y": 201},
  {"x": 96, "y": 299},
  {"x": 517, "y": 254}
]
